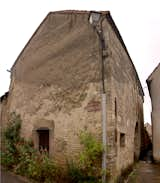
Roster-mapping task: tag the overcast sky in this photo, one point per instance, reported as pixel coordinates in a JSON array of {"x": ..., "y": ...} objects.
[{"x": 137, "y": 20}]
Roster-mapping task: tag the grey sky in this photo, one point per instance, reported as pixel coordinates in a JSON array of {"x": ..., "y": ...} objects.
[{"x": 137, "y": 20}]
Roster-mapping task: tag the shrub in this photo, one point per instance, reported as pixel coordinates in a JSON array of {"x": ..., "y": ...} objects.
[
  {"x": 9, "y": 158},
  {"x": 26, "y": 156},
  {"x": 20, "y": 156},
  {"x": 75, "y": 174},
  {"x": 87, "y": 168},
  {"x": 92, "y": 149},
  {"x": 12, "y": 132},
  {"x": 48, "y": 169}
]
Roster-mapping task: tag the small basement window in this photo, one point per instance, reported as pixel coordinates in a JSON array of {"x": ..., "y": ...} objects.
[
  {"x": 43, "y": 135},
  {"x": 122, "y": 139}
]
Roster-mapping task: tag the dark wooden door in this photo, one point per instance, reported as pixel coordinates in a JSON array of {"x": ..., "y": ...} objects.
[{"x": 43, "y": 140}]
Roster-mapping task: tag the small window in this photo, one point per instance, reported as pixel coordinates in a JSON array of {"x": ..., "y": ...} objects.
[
  {"x": 115, "y": 105},
  {"x": 43, "y": 135},
  {"x": 115, "y": 135},
  {"x": 122, "y": 140}
]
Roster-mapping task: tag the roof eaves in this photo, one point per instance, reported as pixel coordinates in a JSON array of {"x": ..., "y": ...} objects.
[
  {"x": 29, "y": 41},
  {"x": 56, "y": 12},
  {"x": 112, "y": 23},
  {"x": 151, "y": 75}
]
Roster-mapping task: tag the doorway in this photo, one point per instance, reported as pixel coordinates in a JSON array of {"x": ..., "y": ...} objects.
[
  {"x": 43, "y": 136},
  {"x": 136, "y": 143}
]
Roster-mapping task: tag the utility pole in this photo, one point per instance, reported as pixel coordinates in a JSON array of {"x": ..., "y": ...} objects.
[
  {"x": 104, "y": 138},
  {"x": 96, "y": 19}
]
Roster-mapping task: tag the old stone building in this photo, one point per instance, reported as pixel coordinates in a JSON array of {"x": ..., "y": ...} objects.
[
  {"x": 148, "y": 128},
  {"x": 153, "y": 82},
  {"x": 3, "y": 116},
  {"x": 73, "y": 61}
]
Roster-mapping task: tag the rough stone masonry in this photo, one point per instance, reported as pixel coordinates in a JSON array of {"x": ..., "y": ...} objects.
[{"x": 57, "y": 82}]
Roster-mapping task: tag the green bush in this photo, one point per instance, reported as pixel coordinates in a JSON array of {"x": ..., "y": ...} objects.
[
  {"x": 21, "y": 157},
  {"x": 12, "y": 132},
  {"x": 11, "y": 136},
  {"x": 87, "y": 168},
  {"x": 26, "y": 156},
  {"x": 92, "y": 149},
  {"x": 48, "y": 169},
  {"x": 75, "y": 174},
  {"x": 7, "y": 160}
]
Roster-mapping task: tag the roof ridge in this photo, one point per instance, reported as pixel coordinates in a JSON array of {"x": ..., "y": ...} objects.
[
  {"x": 79, "y": 11},
  {"x": 149, "y": 77}
]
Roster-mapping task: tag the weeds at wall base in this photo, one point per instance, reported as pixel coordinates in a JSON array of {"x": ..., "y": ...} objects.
[
  {"x": 20, "y": 157},
  {"x": 126, "y": 174}
]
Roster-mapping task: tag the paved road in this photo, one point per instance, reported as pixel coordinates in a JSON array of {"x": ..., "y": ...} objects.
[
  {"x": 7, "y": 177},
  {"x": 145, "y": 173}
]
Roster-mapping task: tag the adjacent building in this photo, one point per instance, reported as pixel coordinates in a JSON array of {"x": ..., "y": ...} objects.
[
  {"x": 148, "y": 128},
  {"x": 3, "y": 116},
  {"x": 153, "y": 82},
  {"x": 74, "y": 62}
]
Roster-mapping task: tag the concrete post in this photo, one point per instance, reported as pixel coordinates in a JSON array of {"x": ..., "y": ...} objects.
[{"x": 104, "y": 138}]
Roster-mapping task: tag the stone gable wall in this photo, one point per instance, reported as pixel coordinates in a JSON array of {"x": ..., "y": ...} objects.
[
  {"x": 126, "y": 104},
  {"x": 56, "y": 83}
]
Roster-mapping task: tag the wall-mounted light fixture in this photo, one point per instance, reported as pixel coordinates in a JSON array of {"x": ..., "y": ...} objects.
[{"x": 94, "y": 17}]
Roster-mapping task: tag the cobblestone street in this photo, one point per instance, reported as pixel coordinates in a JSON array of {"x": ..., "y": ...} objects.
[{"x": 145, "y": 173}]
